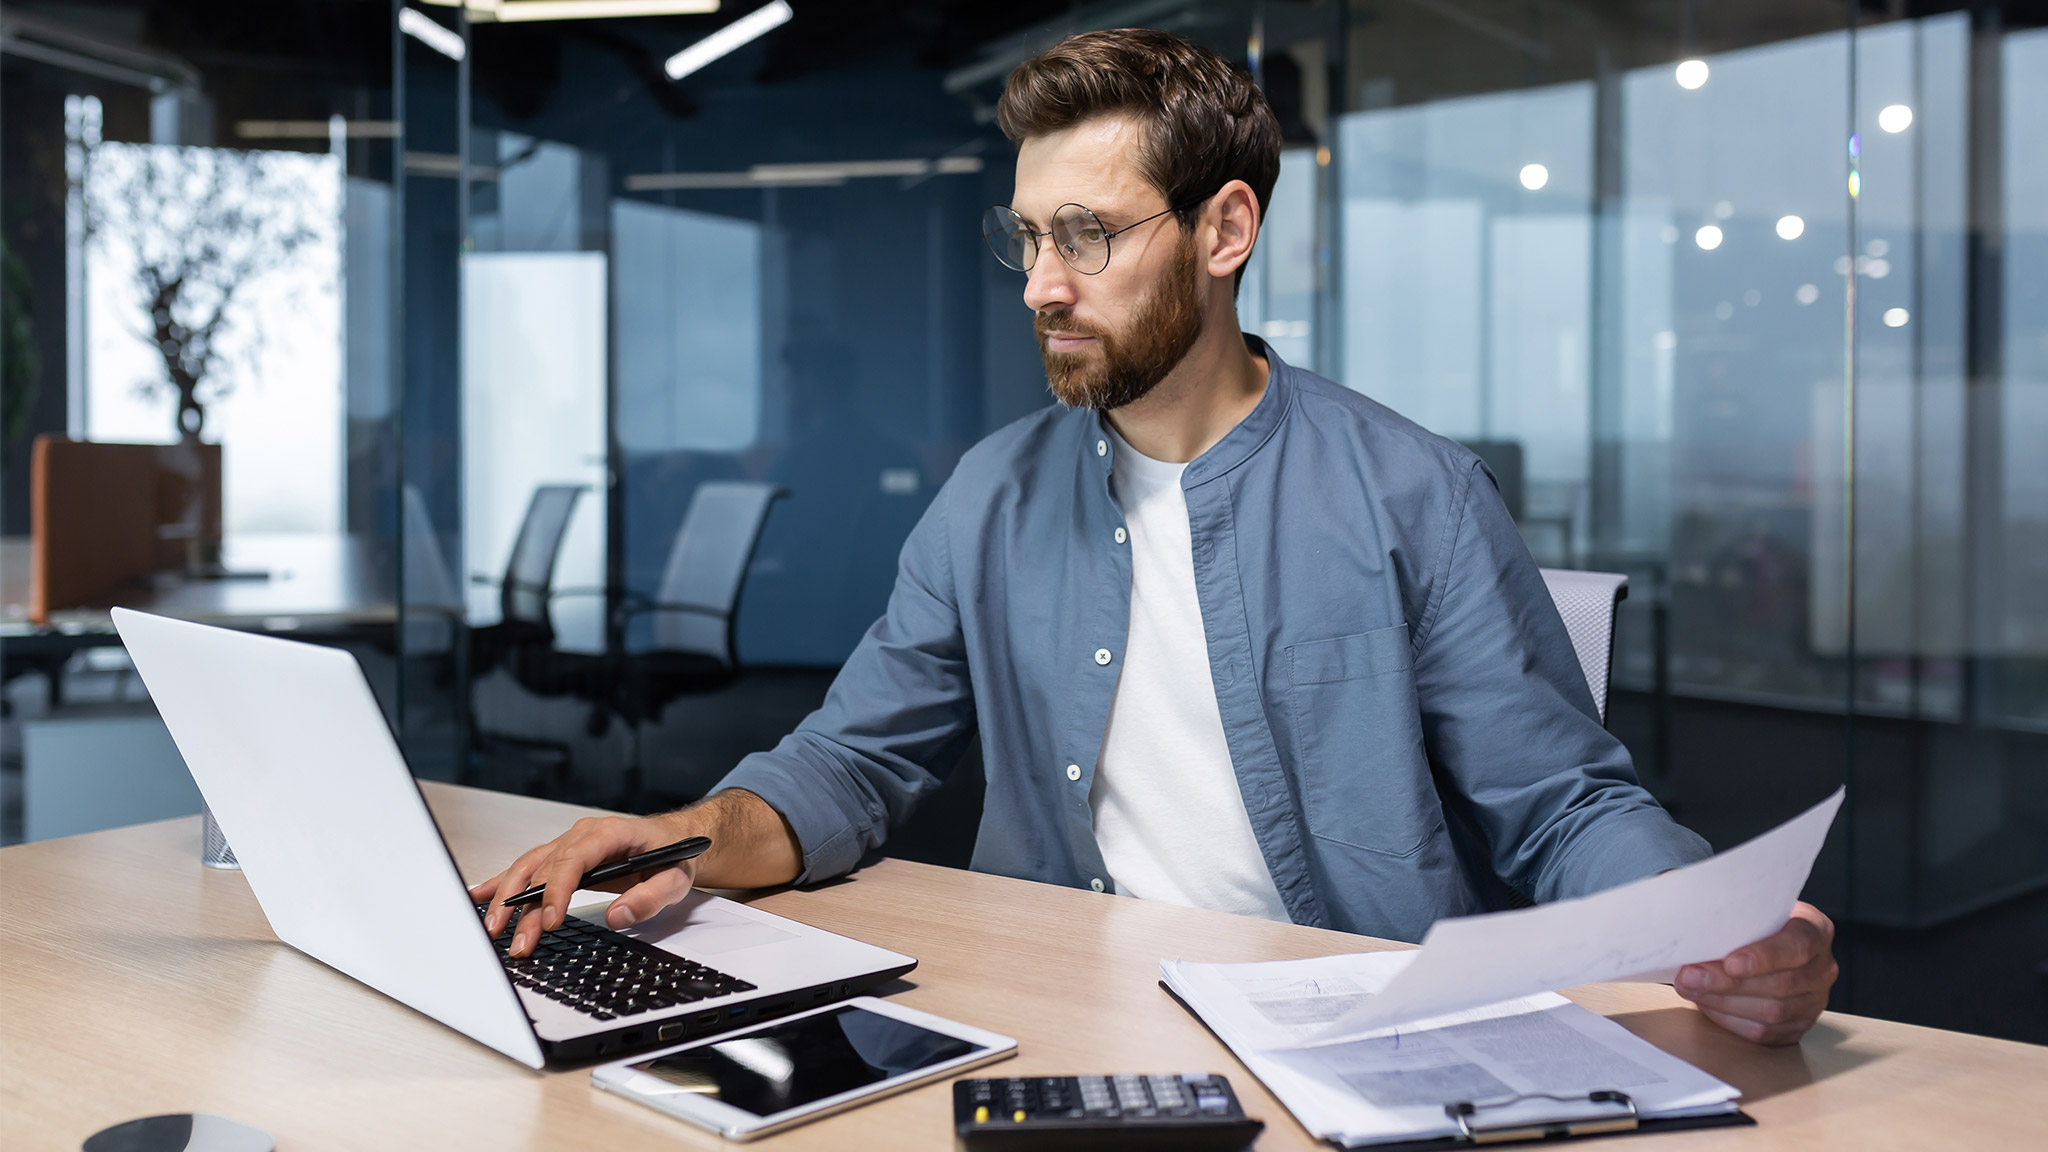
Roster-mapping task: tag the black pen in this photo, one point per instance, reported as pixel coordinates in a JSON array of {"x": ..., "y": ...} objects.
[{"x": 659, "y": 858}]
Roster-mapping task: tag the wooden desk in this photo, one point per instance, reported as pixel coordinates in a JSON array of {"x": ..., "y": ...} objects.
[{"x": 133, "y": 982}]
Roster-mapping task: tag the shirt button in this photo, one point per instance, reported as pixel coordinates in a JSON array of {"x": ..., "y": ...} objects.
[
  {"x": 1102, "y": 447},
  {"x": 1102, "y": 655},
  {"x": 1121, "y": 536},
  {"x": 1096, "y": 883},
  {"x": 1073, "y": 771}
]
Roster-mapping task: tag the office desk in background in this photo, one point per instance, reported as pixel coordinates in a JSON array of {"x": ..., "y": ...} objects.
[
  {"x": 133, "y": 981},
  {"x": 327, "y": 585}
]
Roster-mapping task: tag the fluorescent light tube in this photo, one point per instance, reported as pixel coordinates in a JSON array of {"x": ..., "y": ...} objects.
[
  {"x": 422, "y": 28},
  {"x": 518, "y": 11},
  {"x": 754, "y": 24}
]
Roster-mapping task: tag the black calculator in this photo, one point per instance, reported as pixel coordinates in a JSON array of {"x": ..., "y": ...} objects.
[{"x": 1190, "y": 1110}]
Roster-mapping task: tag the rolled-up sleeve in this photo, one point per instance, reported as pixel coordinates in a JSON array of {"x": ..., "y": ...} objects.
[
  {"x": 1510, "y": 723},
  {"x": 894, "y": 723}
]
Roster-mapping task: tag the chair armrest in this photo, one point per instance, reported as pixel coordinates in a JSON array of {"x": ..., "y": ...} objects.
[
  {"x": 667, "y": 606},
  {"x": 588, "y": 591}
]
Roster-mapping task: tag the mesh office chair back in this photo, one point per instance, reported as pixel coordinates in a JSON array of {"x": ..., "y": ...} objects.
[
  {"x": 1587, "y": 601},
  {"x": 700, "y": 587},
  {"x": 529, "y": 576}
]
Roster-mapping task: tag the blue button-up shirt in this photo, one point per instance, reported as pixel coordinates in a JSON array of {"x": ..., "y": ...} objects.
[{"x": 1408, "y": 722}]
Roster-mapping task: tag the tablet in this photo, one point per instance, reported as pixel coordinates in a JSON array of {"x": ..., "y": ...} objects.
[{"x": 774, "y": 1075}]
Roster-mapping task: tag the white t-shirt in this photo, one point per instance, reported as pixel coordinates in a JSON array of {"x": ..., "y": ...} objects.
[{"x": 1169, "y": 818}]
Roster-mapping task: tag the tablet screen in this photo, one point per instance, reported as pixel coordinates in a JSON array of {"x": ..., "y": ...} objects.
[{"x": 799, "y": 1062}]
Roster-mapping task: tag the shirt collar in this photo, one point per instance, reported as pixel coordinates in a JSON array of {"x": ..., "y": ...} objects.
[{"x": 1238, "y": 444}]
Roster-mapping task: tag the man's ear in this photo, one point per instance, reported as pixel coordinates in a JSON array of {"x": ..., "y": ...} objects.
[{"x": 1232, "y": 217}]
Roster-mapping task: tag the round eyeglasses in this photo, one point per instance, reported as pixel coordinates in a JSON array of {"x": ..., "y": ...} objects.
[{"x": 1077, "y": 236}]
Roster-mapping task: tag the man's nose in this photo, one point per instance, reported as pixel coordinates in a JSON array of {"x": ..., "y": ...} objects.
[{"x": 1050, "y": 283}]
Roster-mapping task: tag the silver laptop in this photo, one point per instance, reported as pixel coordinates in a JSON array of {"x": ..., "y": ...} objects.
[{"x": 295, "y": 759}]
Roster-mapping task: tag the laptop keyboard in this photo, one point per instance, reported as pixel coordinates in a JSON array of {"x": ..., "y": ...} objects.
[{"x": 608, "y": 974}]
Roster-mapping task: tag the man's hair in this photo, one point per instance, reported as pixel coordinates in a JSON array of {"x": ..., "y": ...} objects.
[{"x": 1202, "y": 122}]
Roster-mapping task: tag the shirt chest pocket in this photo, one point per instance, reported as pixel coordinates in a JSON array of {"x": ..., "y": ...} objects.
[{"x": 1364, "y": 774}]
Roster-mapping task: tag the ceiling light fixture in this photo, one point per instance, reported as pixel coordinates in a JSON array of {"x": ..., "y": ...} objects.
[
  {"x": 802, "y": 175},
  {"x": 1691, "y": 74},
  {"x": 422, "y": 28},
  {"x": 753, "y": 25},
  {"x": 524, "y": 11},
  {"x": 1895, "y": 118},
  {"x": 1534, "y": 176}
]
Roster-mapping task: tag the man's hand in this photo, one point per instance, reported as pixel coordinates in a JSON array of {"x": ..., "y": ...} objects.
[
  {"x": 561, "y": 862},
  {"x": 752, "y": 846},
  {"x": 1773, "y": 990}
]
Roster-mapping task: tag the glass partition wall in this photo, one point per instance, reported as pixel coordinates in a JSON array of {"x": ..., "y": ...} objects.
[
  {"x": 631, "y": 369},
  {"x": 1740, "y": 299},
  {"x": 1735, "y": 299},
  {"x": 198, "y": 225}
]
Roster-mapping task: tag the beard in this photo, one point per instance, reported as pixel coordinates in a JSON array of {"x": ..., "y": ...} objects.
[{"x": 1122, "y": 367}]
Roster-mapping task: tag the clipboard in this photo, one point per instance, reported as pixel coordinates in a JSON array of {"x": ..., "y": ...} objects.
[{"x": 1471, "y": 1134}]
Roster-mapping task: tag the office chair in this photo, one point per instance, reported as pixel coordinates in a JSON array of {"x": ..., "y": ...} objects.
[
  {"x": 526, "y": 590},
  {"x": 694, "y": 609},
  {"x": 522, "y": 641},
  {"x": 1588, "y": 602}
]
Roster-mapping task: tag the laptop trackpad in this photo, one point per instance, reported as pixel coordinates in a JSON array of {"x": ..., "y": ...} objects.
[{"x": 699, "y": 928}]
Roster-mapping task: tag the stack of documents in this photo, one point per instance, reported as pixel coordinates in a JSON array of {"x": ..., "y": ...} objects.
[
  {"x": 1391, "y": 1084},
  {"x": 1370, "y": 1048}
]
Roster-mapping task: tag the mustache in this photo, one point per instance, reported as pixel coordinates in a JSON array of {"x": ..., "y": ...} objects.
[{"x": 1063, "y": 321}]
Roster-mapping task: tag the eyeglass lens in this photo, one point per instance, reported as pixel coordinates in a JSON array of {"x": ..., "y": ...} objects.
[{"x": 1081, "y": 239}]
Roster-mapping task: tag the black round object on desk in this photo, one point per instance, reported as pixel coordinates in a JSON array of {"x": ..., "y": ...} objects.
[{"x": 180, "y": 1132}]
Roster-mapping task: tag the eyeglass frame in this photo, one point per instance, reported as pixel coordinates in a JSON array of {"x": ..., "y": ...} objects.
[{"x": 1107, "y": 234}]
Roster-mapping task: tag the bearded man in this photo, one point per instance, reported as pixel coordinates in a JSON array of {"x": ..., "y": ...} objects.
[{"x": 1232, "y": 635}]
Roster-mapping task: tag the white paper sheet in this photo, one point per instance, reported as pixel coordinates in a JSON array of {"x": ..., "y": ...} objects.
[
  {"x": 1646, "y": 930},
  {"x": 1393, "y": 1085}
]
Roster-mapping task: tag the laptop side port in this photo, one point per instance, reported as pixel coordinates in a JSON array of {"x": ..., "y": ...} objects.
[{"x": 670, "y": 1031}]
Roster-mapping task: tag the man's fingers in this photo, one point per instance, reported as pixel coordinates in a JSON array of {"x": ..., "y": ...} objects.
[
  {"x": 483, "y": 890},
  {"x": 1757, "y": 1031},
  {"x": 1807, "y": 933},
  {"x": 560, "y": 875},
  {"x": 659, "y": 890},
  {"x": 512, "y": 881},
  {"x": 560, "y": 865},
  {"x": 1698, "y": 980}
]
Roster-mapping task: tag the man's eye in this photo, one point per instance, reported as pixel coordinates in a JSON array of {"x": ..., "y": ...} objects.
[{"x": 1091, "y": 236}]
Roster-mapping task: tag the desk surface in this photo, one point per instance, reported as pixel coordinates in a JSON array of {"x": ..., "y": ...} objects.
[
  {"x": 311, "y": 578},
  {"x": 121, "y": 943}
]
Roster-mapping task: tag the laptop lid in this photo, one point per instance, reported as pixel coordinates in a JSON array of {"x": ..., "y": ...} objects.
[{"x": 296, "y": 761}]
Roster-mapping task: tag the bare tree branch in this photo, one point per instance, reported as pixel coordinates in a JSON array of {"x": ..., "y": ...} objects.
[{"x": 202, "y": 225}]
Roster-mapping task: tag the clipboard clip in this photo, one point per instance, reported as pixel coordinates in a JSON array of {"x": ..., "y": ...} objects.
[{"x": 1462, "y": 1111}]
